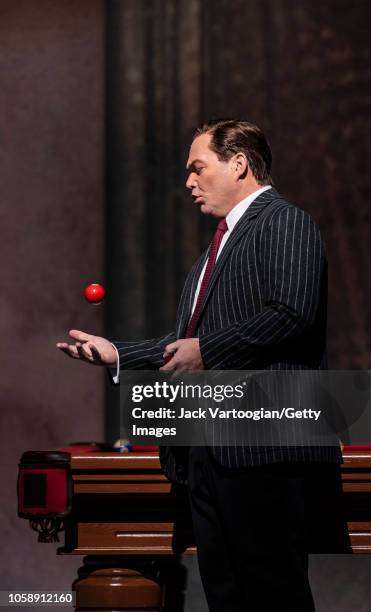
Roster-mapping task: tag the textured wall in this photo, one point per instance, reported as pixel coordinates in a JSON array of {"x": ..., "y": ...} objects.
[{"x": 52, "y": 239}]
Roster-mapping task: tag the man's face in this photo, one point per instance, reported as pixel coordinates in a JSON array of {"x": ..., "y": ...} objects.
[{"x": 213, "y": 182}]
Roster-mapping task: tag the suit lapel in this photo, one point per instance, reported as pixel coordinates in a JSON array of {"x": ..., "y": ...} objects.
[{"x": 242, "y": 226}]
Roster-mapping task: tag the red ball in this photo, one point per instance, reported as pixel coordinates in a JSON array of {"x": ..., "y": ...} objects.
[{"x": 94, "y": 293}]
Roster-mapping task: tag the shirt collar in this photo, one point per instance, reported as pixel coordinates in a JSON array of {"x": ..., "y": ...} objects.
[{"x": 237, "y": 211}]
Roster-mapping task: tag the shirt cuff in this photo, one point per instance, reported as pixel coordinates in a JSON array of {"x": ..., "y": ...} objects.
[{"x": 116, "y": 377}]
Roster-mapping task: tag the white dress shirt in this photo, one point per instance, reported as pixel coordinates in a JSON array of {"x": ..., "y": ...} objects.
[{"x": 231, "y": 219}]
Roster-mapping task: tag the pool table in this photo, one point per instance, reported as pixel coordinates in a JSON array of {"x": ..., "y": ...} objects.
[{"x": 132, "y": 525}]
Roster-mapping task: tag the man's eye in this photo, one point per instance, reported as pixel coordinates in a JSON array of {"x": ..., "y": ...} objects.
[{"x": 198, "y": 170}]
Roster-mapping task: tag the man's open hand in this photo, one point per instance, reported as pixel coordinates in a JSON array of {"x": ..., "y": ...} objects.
[
  {"x": 89, "y": 348},
  {"x": 183, "y": 355}
]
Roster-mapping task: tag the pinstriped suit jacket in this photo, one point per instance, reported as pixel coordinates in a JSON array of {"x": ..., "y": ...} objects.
[{"x": 265, "y": 308}]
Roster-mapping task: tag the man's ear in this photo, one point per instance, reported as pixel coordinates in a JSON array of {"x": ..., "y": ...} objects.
[{"x": 241, "y": 165}]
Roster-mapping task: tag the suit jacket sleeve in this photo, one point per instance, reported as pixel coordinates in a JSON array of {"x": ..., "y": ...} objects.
[
  {"x": 143, "y": 354},
  {"x": 292, "y": 261}
]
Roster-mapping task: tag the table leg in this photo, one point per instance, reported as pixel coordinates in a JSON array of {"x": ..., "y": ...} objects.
[{"x": 112, "y": 584}]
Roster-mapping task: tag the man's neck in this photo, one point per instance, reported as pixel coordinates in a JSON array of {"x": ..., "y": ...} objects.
[
  {"x": 248, "y": 190},
  {"x": 240, "y": 208}
]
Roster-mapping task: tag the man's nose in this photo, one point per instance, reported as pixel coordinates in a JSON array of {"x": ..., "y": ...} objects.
[{"x": 190, "y": 182}]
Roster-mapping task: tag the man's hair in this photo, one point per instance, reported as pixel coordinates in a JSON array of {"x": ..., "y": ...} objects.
[{"x": 231, "y": 136}]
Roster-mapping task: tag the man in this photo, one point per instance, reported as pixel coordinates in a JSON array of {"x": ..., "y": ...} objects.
[{"x": 255, "y": 300}]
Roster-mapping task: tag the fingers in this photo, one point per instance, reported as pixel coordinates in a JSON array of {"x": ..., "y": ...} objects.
[
  {"x": 165, "y": 368},
  {"x": 172, "y": 348},
  {"x": 95, "y": 353},
  {"x": 80, "y": 335},
  {"x": 174, "y": 368},
  {"x": 170, "y": 363},
  {"x": 170, "y": 351},
  {"x": 68, "y": 349},
  {"x": 88, "y": 352},
  {"x": 84, "y": 351},
  {"x": 169, "y": 355},
  {"x": 183, "y": 355}
]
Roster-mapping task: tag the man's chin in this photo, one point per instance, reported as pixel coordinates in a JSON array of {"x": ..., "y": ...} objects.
[{"x": 205, "y": 209}]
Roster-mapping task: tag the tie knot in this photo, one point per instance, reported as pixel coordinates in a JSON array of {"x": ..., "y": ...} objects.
[{"x": 222, "y": 226}]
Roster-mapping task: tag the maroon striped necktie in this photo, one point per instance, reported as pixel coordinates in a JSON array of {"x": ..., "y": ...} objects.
[{"x": 214, "y": 247}]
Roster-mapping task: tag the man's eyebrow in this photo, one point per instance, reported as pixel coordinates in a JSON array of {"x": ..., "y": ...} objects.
[{"x": 192, "y": 165}]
